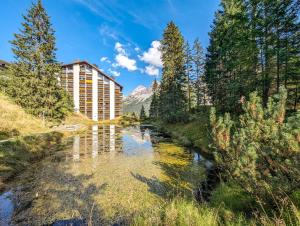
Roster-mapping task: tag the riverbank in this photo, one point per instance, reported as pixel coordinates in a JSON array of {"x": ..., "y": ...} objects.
[
  {"x": 194, "y": 133},
  {"x": 227, "y": 204}
]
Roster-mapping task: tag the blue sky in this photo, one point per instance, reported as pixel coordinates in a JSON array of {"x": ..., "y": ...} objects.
[{"x": 120, "y": 36}]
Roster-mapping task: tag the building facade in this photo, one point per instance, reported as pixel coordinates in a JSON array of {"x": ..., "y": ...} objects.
[{"x": 94, "y": 93}]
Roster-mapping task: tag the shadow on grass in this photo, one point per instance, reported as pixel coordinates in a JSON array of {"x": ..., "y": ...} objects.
[
  {"x": 178, "y": 179},
  {"x": 57, "y": 197}
]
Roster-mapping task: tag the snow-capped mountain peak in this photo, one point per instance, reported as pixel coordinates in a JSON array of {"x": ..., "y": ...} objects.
[
  {"x": 139, "y": 90},
  {"x": 140, "y": 93}
]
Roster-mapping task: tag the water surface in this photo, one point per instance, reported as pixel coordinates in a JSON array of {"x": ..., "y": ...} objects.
[{"x": 105, "y": 175}]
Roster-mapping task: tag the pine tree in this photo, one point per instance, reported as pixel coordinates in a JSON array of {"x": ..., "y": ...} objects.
[
  {"x": 277, "y": 31},
  {"x": 261, "y": 151},
  {"x": 199, "y": 62},
  {"x": 143, "y": 114},
  {"x": 154, "y": 106},
  {"x": 172, "y": 96},
  {"x": 254, "y": 45},
  {"x": 34, "y": 82},
  {"x": 189, "y": 73},
  {"x": 229, "y": 70}
]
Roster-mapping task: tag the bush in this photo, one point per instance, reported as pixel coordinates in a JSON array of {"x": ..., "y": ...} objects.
[{"x": 261, "y": 151}]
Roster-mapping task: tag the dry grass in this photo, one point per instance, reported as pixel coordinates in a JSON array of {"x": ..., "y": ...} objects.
[
  {"x": 78, "y": 118},
  {"x": 15, "y": 121}
]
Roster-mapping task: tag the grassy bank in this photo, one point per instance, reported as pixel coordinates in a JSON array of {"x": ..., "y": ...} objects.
[
  {"x": 15, "y": 121},
  {"x": 229, "y": 205},
  {"x": 194, "y": 133},
  {"x": 25, "y": 138}
]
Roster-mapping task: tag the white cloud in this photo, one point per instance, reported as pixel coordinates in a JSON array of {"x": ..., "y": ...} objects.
[
  {"x": 103, "y": 59},
  {"x": 137, "y": 49},
  {"x": 114, "y": 73},
  {"x": 125, "y": 62},
  {"x": 153, "y": 55},
  {"x": 119, "y": 47},
  {"x": 106, "y": 31},
  {"x": 122, "y": 58},
  {"x": 114, "y": 65},
  {"x": 152, "y": 70}
]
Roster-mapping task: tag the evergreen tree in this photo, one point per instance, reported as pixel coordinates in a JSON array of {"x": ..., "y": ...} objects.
[
  {"x": 35, "y": 73},
  {"x": 229, "y": 72},
  {"x": 189, "y": 73},
  {"x": 276, "y": 27},
  {"x": 261, "y": 151},
  {"x": 172, "y": 96},
  {"x": 154, "y": 106},
  {"x": 254, "y": 45},
  {"x": 143, "y": 113},
  {"x": 199, "y": 83}
]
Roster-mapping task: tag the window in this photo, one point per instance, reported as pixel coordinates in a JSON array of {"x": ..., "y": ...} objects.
[{"x": 82, "y": 68}]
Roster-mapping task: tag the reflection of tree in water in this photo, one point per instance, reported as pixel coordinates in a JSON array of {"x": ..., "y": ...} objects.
[
  {"x": 143, "y": 130},
  {"x": 155, "y": 135}
]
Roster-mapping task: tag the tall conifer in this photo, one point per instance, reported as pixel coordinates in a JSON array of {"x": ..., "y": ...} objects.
[
  {"x": 199, "y": 62},
  {"x": 143, "y": 113},
  {"x": 172, "y": 93},
  {"x": 153, "y": 112},
  {"x": 35, "y": 73}
]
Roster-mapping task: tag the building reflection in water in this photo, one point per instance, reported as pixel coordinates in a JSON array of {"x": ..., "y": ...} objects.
[
  {"x": 97, "y": 140},
  {"x": 95, "y": 145}
]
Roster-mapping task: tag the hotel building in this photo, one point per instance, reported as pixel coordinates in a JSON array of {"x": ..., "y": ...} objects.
[{"x": 94, "y": 93}]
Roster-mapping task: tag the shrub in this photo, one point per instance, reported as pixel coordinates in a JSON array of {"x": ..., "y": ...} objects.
[{"x": 261, "y": 151}]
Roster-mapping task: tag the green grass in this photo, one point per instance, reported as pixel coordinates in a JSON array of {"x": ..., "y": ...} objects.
[
  {"x": 194, "y": 133},
  {"x": 229, "y": 206},
  {"x": 178, "y": 212},
  {"x": 128, "y": 120},
  {"x": 231, "y": 197},
  {"x": 188, "y": 213}
]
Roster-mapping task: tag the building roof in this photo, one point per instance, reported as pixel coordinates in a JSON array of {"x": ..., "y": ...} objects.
[
  {"x": 4, "y": 62},
  {"x": 93, "y": 66}
]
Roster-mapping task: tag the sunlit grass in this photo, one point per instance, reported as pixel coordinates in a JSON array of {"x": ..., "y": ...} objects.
[{"x": 15, "y": 121}]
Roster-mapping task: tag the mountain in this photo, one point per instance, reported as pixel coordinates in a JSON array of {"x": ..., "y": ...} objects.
[{"x": 141, "y": 95}]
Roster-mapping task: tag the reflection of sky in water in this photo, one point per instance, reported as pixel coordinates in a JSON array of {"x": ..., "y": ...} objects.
[
  {"x": 135, "y": 145},
  {"x": 6, "y": 208}
]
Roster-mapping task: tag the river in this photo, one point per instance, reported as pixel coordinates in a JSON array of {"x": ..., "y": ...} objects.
[{"x": 105, "y": 175}]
